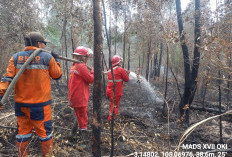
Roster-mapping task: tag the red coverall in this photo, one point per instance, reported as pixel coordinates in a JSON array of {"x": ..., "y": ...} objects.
[
  {"x": 32, "y": 96},
  {"x": 78, "y": 85},
  {"x": 120, "y": 75}
]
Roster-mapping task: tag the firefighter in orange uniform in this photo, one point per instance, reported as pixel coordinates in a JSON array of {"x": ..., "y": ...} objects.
[
  {"x": 33, "y": 93},
  {"x": 80, "y": 78},
  {"x": 120, "y": 75}
]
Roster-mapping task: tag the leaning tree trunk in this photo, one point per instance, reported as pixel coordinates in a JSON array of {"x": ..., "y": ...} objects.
[{"x": 98, "y": 44}]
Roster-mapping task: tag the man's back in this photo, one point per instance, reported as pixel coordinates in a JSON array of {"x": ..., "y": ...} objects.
[{"x": 34, "y": 84}]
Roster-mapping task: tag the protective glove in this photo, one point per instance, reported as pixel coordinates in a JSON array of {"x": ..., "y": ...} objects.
[{"x": 55, "y": 55}]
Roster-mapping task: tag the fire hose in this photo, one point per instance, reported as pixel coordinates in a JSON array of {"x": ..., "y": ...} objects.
[{"x": 28, "y": 61}]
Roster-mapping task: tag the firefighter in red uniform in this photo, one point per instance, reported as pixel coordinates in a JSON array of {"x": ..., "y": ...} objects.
[
  {"x": 120, "y": 75},
  {"x": 80, "y": 78},
  {"x": 33, "y": 94}
]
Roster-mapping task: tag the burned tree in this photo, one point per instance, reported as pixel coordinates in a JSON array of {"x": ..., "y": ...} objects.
[
  {"x": 98, "y": 44},
  {"x": 190, "y": 75}
]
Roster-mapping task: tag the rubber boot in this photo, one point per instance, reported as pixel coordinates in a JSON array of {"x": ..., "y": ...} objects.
[
  {"x": 74, "y": 129},
  {"x": 23, "y": 148},
  {"x": 47, "y": 148},
  {"x": 110, "y": 117}
]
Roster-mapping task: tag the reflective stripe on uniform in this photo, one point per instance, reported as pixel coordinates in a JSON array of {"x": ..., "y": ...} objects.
[
  {"x": 34, "y": 104},
  {"x": 115, "y": 80},
  {"x": 38, "y": 66},
  {"x": 46, "y": 138},
  {"x": 23, "y": 138},
  {"x": 6, "y": 79},
  {"x": 75, "y": 72}
]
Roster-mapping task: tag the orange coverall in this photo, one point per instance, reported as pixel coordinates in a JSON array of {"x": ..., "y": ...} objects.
[
  {"x": 120, "y": 75},
  {"x": 78, "y": 85},
  {"x": 32, "y": 94}
]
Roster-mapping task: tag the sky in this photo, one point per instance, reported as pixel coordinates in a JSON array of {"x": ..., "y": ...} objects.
[{"x": 184, "y": 4}]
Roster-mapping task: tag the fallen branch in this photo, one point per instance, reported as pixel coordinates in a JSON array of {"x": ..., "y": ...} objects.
[
  {"x": 194, "y": 126},
  {"x": 210, "y": 110},
  {"x": 220, "y": 150},
  {"x": 7, "y": 127}
]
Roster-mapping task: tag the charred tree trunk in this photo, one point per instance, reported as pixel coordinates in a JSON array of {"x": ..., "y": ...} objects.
[
  {"x": 103, "y": 77},
  {"x": 109, "y": 26},
  {"x": 205, "y": 89},
  {"x": 66, "y": 53},
  {"x": 187, "y": 73},
  {"x": 111, "y": 67},
  {"x": 160, "y": 60},
  {"x": 63, "y": 36},
  {"x": 148, "y": 59},
  {"x": 155, "y": 65},
  {"x": 190, "y": 77},
  {"x": 116, "y": 35},
  {"x": 142, "y": 63},
  {"x": 229, "y": 75},
  {"x": 150, "y": 73},
  {"x": 220, "y": 105},
  {"x": 197, "y": 42},
  {"x": 166, "y": 83},
  {"x": 228, "y": 87},
  {"x": 124, "y": 39},
  {"x": 98, "y": 45},
  {"x": 128, "y": 58},
  {"x": 72, "y": 40}
]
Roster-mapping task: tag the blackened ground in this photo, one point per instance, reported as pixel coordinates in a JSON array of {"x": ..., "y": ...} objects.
[{"x": 139, "y": 127}]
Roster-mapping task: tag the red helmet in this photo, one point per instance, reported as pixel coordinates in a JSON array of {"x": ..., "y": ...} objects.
[
  {"x": 83, "y": 51},
  {"x": 116, "y": 59}
]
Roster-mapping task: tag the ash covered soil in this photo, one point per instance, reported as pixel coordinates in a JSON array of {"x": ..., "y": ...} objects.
[{"x": 140, "y": 126}]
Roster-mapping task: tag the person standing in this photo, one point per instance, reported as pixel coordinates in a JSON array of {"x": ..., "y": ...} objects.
[
  {"x": 80, "y": 78},
  {"x": 120, "y": 75},
  {"x": 33, "y": 93}
]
